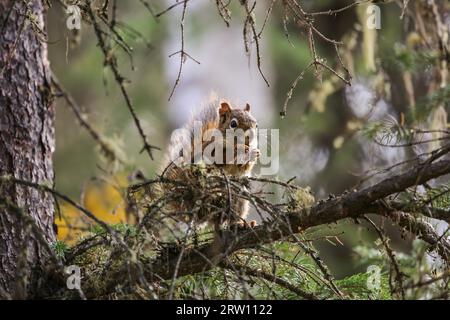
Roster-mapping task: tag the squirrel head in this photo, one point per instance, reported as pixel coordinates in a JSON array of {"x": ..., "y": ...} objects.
[{"x": 233, "y": 119}]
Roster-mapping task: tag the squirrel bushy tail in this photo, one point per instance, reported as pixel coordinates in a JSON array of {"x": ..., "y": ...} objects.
[{"x": 181, "y": 147}]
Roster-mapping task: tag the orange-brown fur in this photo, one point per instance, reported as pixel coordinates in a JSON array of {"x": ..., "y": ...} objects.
[{"x": 216, "y": 115}]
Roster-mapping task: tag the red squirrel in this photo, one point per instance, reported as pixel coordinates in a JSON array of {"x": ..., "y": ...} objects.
[{"x": 191, "y": 146}]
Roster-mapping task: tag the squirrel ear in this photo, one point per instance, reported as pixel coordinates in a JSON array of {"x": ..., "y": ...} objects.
[
  {"x": 247, "y": 107},
  {"x": 224, "y": 108}
]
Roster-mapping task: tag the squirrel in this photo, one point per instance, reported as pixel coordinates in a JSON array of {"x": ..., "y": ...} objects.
[{"x": 202, "y": 146}]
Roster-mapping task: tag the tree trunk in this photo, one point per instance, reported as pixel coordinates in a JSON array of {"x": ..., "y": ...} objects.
[{"x": 26, "y": 145}]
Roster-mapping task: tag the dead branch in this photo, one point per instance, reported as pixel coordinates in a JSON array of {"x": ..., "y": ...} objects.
[{"x": 180, "y": 260}]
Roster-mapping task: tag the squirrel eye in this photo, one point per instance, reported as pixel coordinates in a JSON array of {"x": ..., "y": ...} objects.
[{"x": 233, "y": 123}]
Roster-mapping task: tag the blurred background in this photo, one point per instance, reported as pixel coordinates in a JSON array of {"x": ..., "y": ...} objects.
[{"x": 321, "y": 143}]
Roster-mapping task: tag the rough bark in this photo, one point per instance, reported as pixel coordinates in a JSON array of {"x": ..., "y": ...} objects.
[{"x": 26, "y": 145}]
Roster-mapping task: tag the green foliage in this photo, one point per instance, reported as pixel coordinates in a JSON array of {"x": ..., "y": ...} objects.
[
  {"x": 373, "y": 129},
  {"x": 355, "y": 287},
  {"x": 388, "y": 132},
  {"x": 122, "y": 228},
  {"x": 291, "y": 264},
  {"x": 60, "y": 248},
  {"x": 228, "y": 284},
  {"x": 440, "y": 96},
  {"x": 406, "y": 59},
  {"x": 415, "y": 266},
  {"x": 438, "y": 197},
  {"x": 365, "y": 256}
]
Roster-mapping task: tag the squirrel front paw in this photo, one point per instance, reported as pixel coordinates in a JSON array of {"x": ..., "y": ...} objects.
[
  {"x": 254, "y": 154},
  {"x": 249, "y": 155}
]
